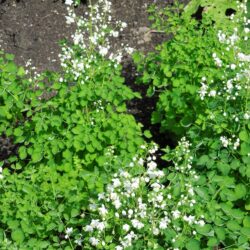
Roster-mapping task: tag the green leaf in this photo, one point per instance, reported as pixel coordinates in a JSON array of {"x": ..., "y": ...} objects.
[
  {"x": 17, "y": 236},
  {"x": 247, "y": 206},
  {"x": 203, "y": 160},
  {"x": 193, "y": 245},
  {"x": 240, "y": 191},
  {"x": 205, "y": 230},
  {"x": 11, "y": 67},
  {"x": 67, "y": 154},
  {"x": 9, "y": 57},
  {"x": 224, "y": 168},
  {"x": 220, "y": 232},
  {"x": 245, "y": 148},
  {"x": 202, "y": 192},
  {"x": 244, "y": 136},
  {"x": 246, "y": 221},
  {"x": 150, "y": 91},
  {"x": 18, "y": 132},
  {"x": 90, "y": 148},
  {"x": 242, "y": 239},
  {"x": 137, "y": 57},
  {"x": 147, "y": 134},
  {"x": 22, "y": 152},
  {"x": 21, "y": 71},
  {"x": 37, "y": 155},
  {"x": 246, "y": 231},
  {"x": 74, "y": 212},
  {"x": 212, "y": 242},
  {"x": 233, "y": 225}
]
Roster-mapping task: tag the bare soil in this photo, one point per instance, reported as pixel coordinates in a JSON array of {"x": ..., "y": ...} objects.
[{"x": 31, "y": 29}]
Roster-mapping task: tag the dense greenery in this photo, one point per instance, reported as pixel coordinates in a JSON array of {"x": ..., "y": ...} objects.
[
  {"x": 201, "y": 79},
  {"x": 84, "y": 177}
]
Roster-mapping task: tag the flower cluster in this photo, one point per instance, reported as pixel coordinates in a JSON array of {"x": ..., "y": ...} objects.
[
  {"x": 92, "y": 39},
  {"x": 226, "y": 142},
  {"x": 233, "y": 85},
  {"x": 217, "y": 60},
  {"x": 138, "y": 205},
  {"x": 1, "y": 173}
]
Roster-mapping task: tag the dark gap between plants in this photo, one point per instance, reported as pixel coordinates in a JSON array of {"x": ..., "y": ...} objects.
[{"x": 142, "y": 110}]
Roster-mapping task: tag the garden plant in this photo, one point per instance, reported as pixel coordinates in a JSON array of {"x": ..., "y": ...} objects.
[{"x": 84, "y": 174}]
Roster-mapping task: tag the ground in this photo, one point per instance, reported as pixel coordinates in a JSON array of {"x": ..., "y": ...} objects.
[{"x": 31, "y": 29}]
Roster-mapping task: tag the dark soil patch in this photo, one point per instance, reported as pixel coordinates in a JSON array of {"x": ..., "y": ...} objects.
[{"x": 31, "y": 29}]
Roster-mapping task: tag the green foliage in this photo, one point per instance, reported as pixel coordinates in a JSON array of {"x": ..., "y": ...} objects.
[
  {"x": 82, "y": 170},
  {"x": 216, "y": 10},
  {"x": 80, "y": 120},
  {"x": 68, "y": 136},
  {"x": 38, "y": 204},
  {"x": 203, "y": 93}
]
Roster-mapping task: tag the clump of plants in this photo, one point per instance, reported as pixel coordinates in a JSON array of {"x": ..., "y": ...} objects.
[
  {"x": 201, "y": 79},
  {"x": 56, "y": 120},
  {"x": 84, "y": 177}
]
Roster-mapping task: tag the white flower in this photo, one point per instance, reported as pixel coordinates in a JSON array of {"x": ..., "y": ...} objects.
[
  {"x": 92, "y": 207},
  {"x": 103, "y": 51},
  {"x": 137, "y": 224},
  {"x": 94, "y": 241},
  {"x": 141, "y": 162},
  {"x": 229, "y": 85},
  {"x": 225, "y": 142},
  {"x": 101, "y": 196},
  {"x": 156, "y": 231},
  {"x": 156, "y": 187},
  {"x": 233, "y": 66},
  {"x": 78, "y": 242},
  {"x": 130, "y": 213},
  {"x": 135, "y": 184},
  {"x": 69, "y": 2},
  {"x": 118, "y": 248},
  {"x": 124, "y": 25},
  {"x": 69, "y": 230},
  {"x": 116, "y": 182},
  {"x": 115, "y": 33},
  {"x": 163, "y": 224},
  {"x": 176, "y": 214},
  {"x": 190, "y": 219},
  {"x": 244, "y": 58},
  {"x": 69, "y": 20},
  {"x": 201, "y": 223},
  {"x": 203, "y": 90},
  {"x": 103, "y": 211},
  {"x": 97, "y": 224},
  {"x": 159, "y": 198},
  {"x": 129, "y": 50},
  {"x": 126, "y": 227},
  {"x": 101, "y": 226},
  {"x": 246, "y": 116},
  {"x": 88, "y": 228},
  {"x": 212, "y": 93},
  {"x": 117, "y": 203}
]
